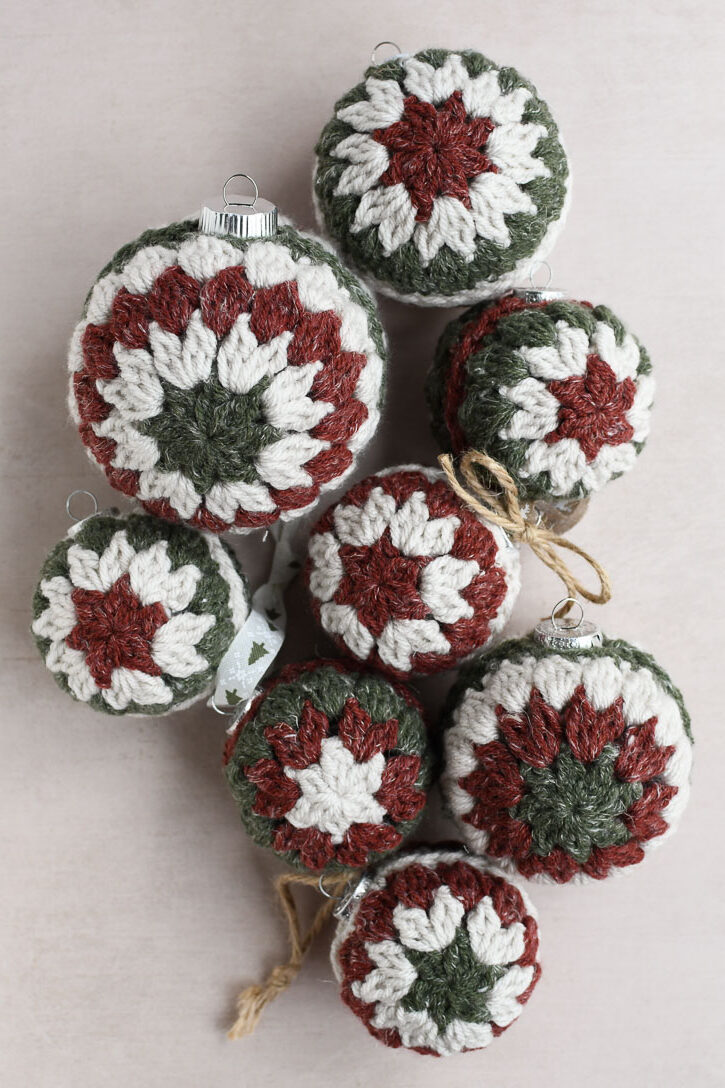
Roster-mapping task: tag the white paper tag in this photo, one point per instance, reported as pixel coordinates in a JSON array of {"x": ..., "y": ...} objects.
[{"x": 259, "y": 640}]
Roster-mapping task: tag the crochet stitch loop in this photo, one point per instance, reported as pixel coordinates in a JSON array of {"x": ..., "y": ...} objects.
[
  {"x": 558, "y": 392},
  {"x": 226, "y": 384},
  {"x": 330, "y": 768},
  {"x": 442, "y": 177},
  {"x": 566, "y": 766},
  {"x": 404, "y": 576},
  {"x": 439, "y": 955},
  {"x": 133, "y": 616}
]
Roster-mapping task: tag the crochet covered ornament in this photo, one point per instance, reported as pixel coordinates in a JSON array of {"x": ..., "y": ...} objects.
[
  {"x": 133, "y": 616},
  {"x": 439, "y": 953},
  {"x": 405, "y": 577},
  {"x": 225, "y": 382},
  {"x": 330, "y": 768},
  {"x": 567, "y": 756},
  {"x": 442, "y": 177},
  {"x": 556, "y": 391}
]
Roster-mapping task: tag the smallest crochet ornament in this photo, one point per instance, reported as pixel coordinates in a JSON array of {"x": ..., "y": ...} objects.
[
  {"x": 406, "y": 577},
  {"x": 437, "y": 952},
  {"x": 557, "y": 391},
  {"x": 567, "y": 754},
  {"x": 133, "y": 615},
  {"x": 330, "y": 768}
]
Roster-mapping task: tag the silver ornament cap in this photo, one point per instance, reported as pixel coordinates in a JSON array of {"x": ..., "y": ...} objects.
[
  {"x": 240, "y": 217},
  {"x": 568, "y": 634}
]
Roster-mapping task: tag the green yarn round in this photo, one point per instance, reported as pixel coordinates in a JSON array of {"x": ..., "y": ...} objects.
[
  {"x": 451, "y": 275},
  {"x": 259, "y": 771}
]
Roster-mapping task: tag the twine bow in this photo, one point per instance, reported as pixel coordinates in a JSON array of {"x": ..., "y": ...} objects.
[
  {"x": 505, "y": 510},
  {"x": 252, "y": 1001}
]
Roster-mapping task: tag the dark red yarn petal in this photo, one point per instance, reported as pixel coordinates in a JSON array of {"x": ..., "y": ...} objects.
[
  {"x": 173, "y": 299},
  {"x": 223, "y": 298}
]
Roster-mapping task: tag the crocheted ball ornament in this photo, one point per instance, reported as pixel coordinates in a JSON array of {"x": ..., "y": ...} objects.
[
  {"x": 133, "y": 615},
  {"x": 440, "y": 954},
  {"x": 226, "y": 383},
  {"x": 442, "y": 177},
  {"x": 568, "y": 765},
  {"x": 557, "y": 391},
  {"x": 404, "y": 576},
  {"x": 330, "y": 768}
]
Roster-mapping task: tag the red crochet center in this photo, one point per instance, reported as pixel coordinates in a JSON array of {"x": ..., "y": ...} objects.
[
  {"x": 534, "y": 738},
  {"x": 300, "y": 747},
  {"x": 382, "y": 584},
  {"x": 415, "y": 886},
  {"x": 171, "y": 301},
  {"x": 593, "y": 406}
]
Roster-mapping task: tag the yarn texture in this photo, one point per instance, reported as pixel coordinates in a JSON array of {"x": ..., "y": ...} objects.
[
  {"x": 566, "y": 765},
  {"x": 133, "y": 616},
  {"x": 226, "y": 384},
  {"x": 558, "y": 392},
  {"x": 330, "y": 768},
  {"x": 440, "y": 954},
  {"x": 442, "y": 177},
  {"x": 405, "y": 577}
]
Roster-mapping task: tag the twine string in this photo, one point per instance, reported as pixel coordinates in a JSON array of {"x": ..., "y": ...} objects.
[
  {"x": 252, "y": 1001},
  {"x": 504, "y": 509}
]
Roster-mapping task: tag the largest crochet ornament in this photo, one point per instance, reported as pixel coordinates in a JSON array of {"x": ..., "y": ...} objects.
[
  {"x": 225, "y": 382},
  {"x": 442, "y": 177}
]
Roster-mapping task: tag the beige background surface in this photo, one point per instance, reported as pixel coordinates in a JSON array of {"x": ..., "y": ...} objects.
[{"x": 133, "y": 906}]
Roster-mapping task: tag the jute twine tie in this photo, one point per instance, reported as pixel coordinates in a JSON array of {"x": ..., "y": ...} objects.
[
  {"x": 504, "y": 509},
  {"x": 253, "y": 1000}
]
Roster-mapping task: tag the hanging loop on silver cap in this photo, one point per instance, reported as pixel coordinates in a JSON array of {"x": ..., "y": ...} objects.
[
  {"x": 567, "y": 634},
  {"x": 237, "y": 217},
  {"x": 538, "y": 292},
  {"x": 241, "y": 203},
  {"x": 393, "y": 45},
  {"x": 69, "y": 504}
]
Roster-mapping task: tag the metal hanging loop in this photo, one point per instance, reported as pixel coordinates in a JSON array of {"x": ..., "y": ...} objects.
[
  {"x": 393, "y": 45},
  {"x": 240, "y": 203},
  {"x": 69, "y": 505}
]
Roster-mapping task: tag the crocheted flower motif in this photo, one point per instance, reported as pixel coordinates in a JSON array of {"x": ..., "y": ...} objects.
[
  {"x": 442, "y": 176},
  {"x": 558, "y": 392},
  {"x": 133, "y": 616},
  {"x": 406, "y": 578},
  {"x": 223, "y": 384},
  {"x": 330, "y": 768},
  {"x": 566, "y": 766},
  {"x": 439, "y": 955}
]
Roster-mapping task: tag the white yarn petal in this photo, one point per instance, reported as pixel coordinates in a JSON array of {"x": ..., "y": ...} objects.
[
  {"x": 174, "y": 486},
  {"x": 137, "y": 391},
  {"x": 639, "y": 415},
  {"x": 564, "y": 460},
  {"x": 391, "y": 210},
  {"x": 566, "y": 358},
  {"x": 59, "y": 618},
  {"x": 502, "y": 1000},
  {"x": 511, "y": 148},
  {"x": 242, "y": 362},
  {"x": 173, "y": 646},
  {"x": 415, "y": 1028},
  {"x": 475, "y": 718},
  {"x": 623, "y": 358},
  {"x": 83, "y": 569},
  {"x": 281, "y": 464},
  {"x": 556, "y": 678},
  {"x": 414, "y": 532},
  {"x": 187, "y": 361},
  {"x": 400, "y": 639},
  {"x": 224, "y": 500},
  {"x": 238, "y": 598},
  {"x": 509, "y": 107},
  {"x": 493, "y": 196},
  {"x": 327, "y": 569},
  {"x": 609, "y": 462},
  {"x": 98, "y": 309},
  {"x": 480, "y": 94},
  {"x": 368, "y": 160},
  {"x": 491, "y": 942},
  {"x": 510, "y": 685},
  {"x": 337, "y": 791},
  {"x": 203, "y": 255},
  {"x": 140, "y": 272},
  {"x": 354, "y": 328},
  {"x": 133, "y": 449},
  {"x": 431, "y": 930},
  {"x": 72, "y": 663},
  {"x": 382, "y": 108},
  {"x": 392, "y": 977},
  {"x": 362, "y": 525},
  {"x": 131, "y": 686},
  {"x": 318, "y": 289},
  {"x": 435, "y": 85},
  {"x": 268, "y": 263},
  {"x": 286, "y": 403},
  {"x": 440, "y": 584},
  {"x": 153, "y": 581},
  {"x": 342, "y": 620},
  {"x": 602, "y": 680},
  {"x": 115, "y": 559},
  {"x": 451, "y": 224},
  {"x": 538, "y": 415}
]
